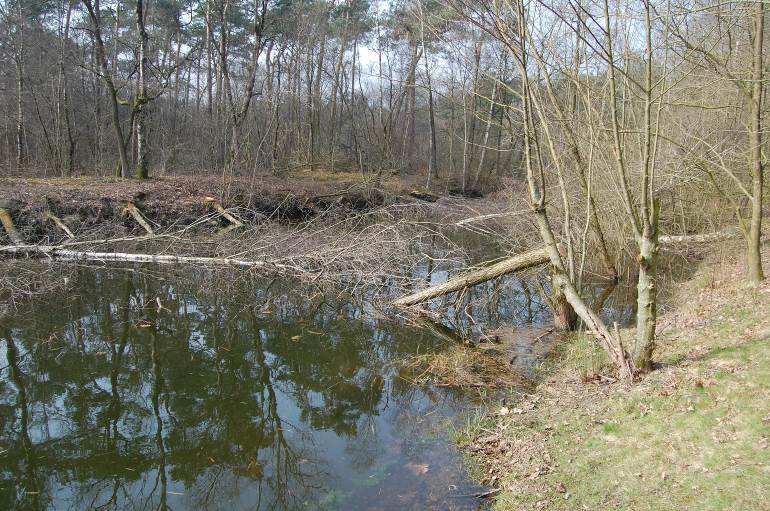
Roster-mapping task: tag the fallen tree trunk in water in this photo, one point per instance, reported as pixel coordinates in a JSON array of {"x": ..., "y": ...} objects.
[
  {"x": 55, "y": 252},
  {"x": 510, "y": 265}
]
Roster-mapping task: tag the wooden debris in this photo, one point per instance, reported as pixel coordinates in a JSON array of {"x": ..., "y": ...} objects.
[
  {"x": 56, "y": 252},
  {"x": 423, "y": 196},
  {"x": 222, "y": 211},
  {"x": 10, "y": 228},
  {"x": 711, "y": 237},
  {"x": 510, "y": 265},
  {"x": 49, "y": 215},
  {"x": 132, "y": 210}
]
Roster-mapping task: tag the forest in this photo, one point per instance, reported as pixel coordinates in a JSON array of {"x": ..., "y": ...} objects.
[{"x": 583, "y": 180}]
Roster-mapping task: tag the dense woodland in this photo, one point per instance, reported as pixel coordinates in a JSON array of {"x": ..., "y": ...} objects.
[
  {"x": 163, "y": 87},
  {"x": 622, "y": 119}
]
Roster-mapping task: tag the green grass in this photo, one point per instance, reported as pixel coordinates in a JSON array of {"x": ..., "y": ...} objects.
[
  {"x": 692, "y": 435},
  {"x": 697, "y": 448}
]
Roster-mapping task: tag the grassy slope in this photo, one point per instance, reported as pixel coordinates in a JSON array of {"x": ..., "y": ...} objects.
[{"x": 691, "y": 435}]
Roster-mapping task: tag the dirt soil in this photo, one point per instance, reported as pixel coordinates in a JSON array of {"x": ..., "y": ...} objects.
[
  {"x": 85, "y": 203},
  {"x": 94, "y": 206}
]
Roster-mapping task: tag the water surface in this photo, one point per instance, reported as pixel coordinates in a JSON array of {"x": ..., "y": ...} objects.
[{"x": 149, "y": 390}]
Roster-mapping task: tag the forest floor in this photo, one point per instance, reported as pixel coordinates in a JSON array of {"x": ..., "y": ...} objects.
[{"x": 693, "y": 434}]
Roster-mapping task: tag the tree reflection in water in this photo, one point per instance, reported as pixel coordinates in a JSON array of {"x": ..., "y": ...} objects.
[{"x": 145, "y": 393}]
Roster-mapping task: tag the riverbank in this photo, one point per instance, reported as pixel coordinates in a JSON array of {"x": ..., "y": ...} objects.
[
  {"x": 91, "y": 206},
  {"x": 693, "y": 434}
]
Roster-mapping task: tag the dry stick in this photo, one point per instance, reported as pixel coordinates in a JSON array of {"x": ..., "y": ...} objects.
[
  {"x": 510, "y": 265},
  {"x": 132, "y": 210},
  {"x": 465, "y": 221},
  {"x": 10, "y": 229},
  {"x": 222, "y": 211},
  {"x": 730, "y": 232},
  {"x": 49, "y": 215},
  {"x": 55, "y": 252}
]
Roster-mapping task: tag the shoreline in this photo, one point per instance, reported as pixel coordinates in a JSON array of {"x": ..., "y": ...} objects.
[{"x": 692, "y": 434}]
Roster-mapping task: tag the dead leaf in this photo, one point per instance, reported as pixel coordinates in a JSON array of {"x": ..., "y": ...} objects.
[{"x": 296, "y": 338}]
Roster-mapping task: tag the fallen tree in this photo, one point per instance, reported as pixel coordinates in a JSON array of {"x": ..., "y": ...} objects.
[
  {"x": 55, "y": 252},
  {"x": 472, "y": 278}
]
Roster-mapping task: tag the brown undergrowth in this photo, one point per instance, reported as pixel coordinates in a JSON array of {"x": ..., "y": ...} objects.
[
  {"x": 462, "y": 367},
  {"x": 497, "y": 362},
  {"x": 693, "y": 434}
]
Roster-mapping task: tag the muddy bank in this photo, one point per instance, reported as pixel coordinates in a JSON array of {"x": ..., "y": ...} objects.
[
  {"x": 86, "y": 204},
  {"x": 96, "y": 206}
]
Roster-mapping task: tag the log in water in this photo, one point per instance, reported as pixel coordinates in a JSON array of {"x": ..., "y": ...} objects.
[{"x": 510, "y": 265}]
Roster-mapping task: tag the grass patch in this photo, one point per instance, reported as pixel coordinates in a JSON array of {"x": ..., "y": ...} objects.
[{"x": 691, "y": 435}]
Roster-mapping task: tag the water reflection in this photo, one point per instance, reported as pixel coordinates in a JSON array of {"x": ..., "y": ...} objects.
[{"x": 145, "y": 393}]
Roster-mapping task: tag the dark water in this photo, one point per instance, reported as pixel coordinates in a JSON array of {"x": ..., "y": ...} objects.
[{"x": 159, "y": 391}]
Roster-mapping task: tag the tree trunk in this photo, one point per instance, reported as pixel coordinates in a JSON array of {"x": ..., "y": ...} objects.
[
  {"x": 107, "y": 77},
  {"x": 209, "y": 76},
  {"x": 140, "y": 102},
  {"x": 432, "y": 158},
  {"x": 19, "y": 62},
  {"x": 561, "y": 281},
  {"x": 510, "y": 265},
  {"x": 754, "y": 256},
  {"x": 485, "y": 142},
  {"x": 646, "y": 300}
]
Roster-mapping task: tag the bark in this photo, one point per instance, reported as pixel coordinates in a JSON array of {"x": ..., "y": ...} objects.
[
  {"x": 510, "y": 265},
  {"x": 646, "y": 309},
  {"x": 58, "y": 253},
  {"x": 754, "y": 256},
  {"x": 107, "y": 77},
  {"x": 140, "y": 102}
]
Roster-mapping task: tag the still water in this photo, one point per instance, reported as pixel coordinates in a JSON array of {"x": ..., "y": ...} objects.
[{"x": 163, "y": 391}]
